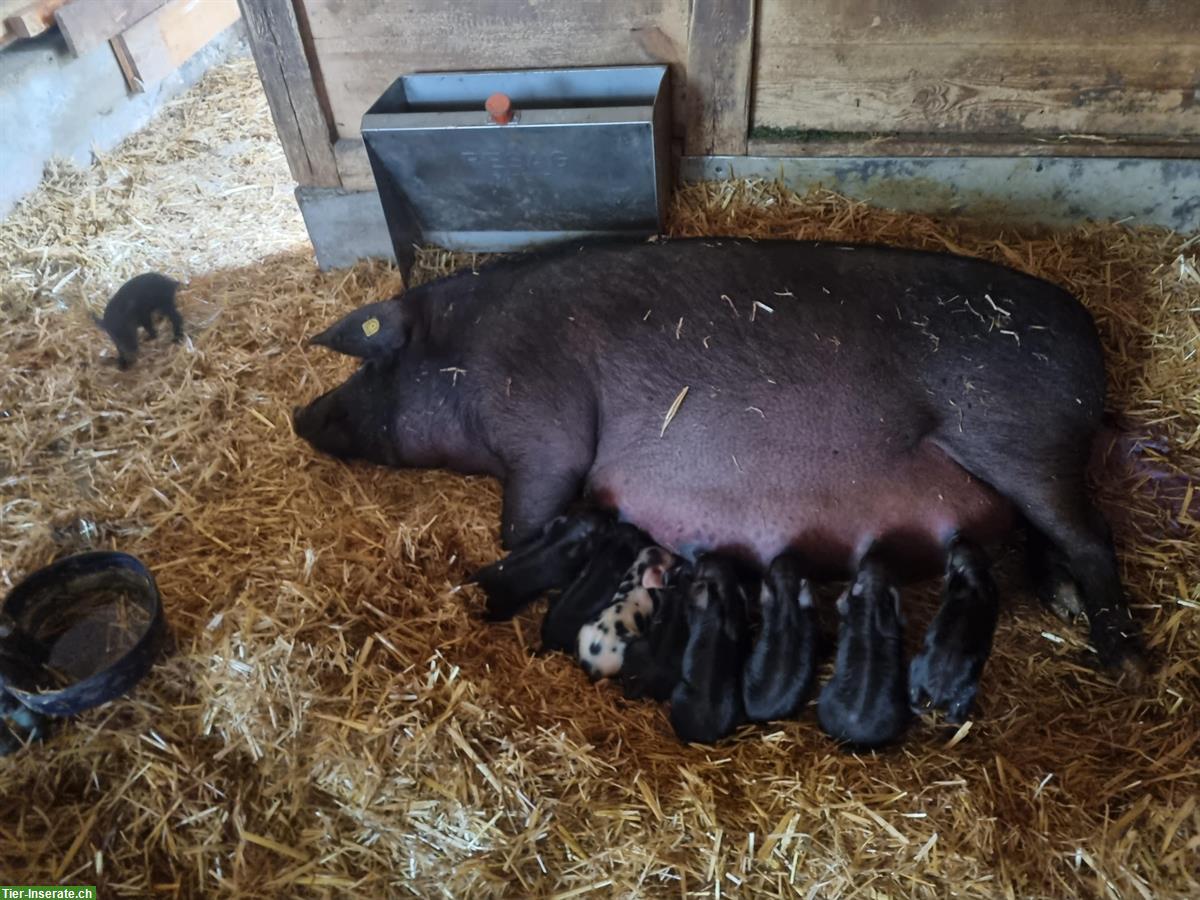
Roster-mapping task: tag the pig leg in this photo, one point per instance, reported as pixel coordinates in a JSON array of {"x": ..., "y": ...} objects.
[
  {"x": 1050, "y": 490},
  {"x": 176, "y": 322},
  {"x": 532, "y": 499},
  {"x": 1050, "y": 572}
]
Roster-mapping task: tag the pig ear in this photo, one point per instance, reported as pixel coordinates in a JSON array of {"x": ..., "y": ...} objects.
[{"x": 370, "y": 332}]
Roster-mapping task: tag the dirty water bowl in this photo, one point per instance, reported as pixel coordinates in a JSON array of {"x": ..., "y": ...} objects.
[{"x": 83, "y": 630}]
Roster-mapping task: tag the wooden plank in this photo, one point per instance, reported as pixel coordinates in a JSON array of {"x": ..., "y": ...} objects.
[
  {"x": 89, "y": 23},
  {"x": 26, "y": 20},
  {"x": 976, "y": 90},
  {"x": 359, "y": 55},
  {"x": 720, "y": 57},
  {"x": 154, "y": 47},
  {"x": 354, "y": 168},
  {"x": 1005, "y": 67},
  {"x": 287, "y": 78},
  {"x": 1014, "y": 22},
  {"x": 957, "y": 145}
]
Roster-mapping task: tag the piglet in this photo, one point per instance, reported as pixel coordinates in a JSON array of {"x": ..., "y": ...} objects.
[
  {"x": 653, "y": 662},
  {"x": 865, "y": 703},
  {"x": 549, "y": 561},
  {"x": 945, "y": 674},
  {"x": 601, "y": 644},
  {"x": 134, "y": 306},
  {"x": 594, "y": 589},
  {"x": 779, "y": 671},
  {"x": 706, "y": 704}
]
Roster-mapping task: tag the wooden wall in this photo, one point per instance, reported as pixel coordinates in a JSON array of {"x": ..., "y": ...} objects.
[
  {"x": 993, "y": 68},
  {"x": 768, "y": 77}
]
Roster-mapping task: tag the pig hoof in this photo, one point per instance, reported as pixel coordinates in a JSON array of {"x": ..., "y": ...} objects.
[
  {"x": 1063, "y": 599},
  {"x": 1133, "y": 670}
]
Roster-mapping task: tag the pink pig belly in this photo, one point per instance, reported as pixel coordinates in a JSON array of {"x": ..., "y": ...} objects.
[{"x": 826, "y": 508}]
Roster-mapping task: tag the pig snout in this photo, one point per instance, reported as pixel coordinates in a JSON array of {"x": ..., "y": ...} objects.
[{"x": 323, "y": 424}]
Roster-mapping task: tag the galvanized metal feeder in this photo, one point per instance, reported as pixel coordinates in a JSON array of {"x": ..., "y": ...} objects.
[{"x": 509, "y": 160}]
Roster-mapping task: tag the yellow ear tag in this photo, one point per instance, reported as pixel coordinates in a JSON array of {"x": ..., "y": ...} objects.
[{"x": 371, "y": 327}]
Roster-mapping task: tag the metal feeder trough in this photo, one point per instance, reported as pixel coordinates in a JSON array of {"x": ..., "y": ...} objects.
[{"x": 509, "y": 160}]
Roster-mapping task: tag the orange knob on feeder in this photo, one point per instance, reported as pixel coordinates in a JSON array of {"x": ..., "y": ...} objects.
[{"x": 499, "y": 108}]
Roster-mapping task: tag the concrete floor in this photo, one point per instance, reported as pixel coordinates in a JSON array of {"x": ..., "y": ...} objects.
[{"x": 55, "y": 105}]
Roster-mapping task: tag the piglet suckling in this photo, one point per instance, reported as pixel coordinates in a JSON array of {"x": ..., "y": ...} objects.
[
  {"x": 779, "y": 670},
  {"x": 945, "y": 674},
  {"x": 594, "y": 588},
  {"x": 602, "y": 641},
  {"x": 549, "y": 561},
  {"x": 134, "y": 306},
  {"x": 653, "y": 662},
  {"x": 865, "y": 702},
  {"x": 706, "y": 704}
]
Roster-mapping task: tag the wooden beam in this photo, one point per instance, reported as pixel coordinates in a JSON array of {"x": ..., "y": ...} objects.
[
  {"x": 970, "y": 145},
  {"x": 720, "y": 60},
  {"x": 151, "y": 49},
  {"x": 287, "y": 78},
  {"x": 89, "y": 23},
  {"x": 32, "y": 19},
  {"x": 1006, "y": 67}
]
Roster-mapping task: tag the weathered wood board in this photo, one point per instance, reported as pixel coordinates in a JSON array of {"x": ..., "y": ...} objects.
[
  {"x": 719, "y": 63},
  {"x": 360, "y": 52},
  {"x": 154, "y": 47},
  {"x": 1012, "y": 67},
  {"x": 26, "y": 18},
  {"x": 88, "y": 23},
  {"x": 293, "y": 90}
]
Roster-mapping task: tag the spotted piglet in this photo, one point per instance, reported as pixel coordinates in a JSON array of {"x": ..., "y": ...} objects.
[
  {"x": 865, "y": 703},
  {"x": 780, "y": 668},
  {"x": 945, "y": 674},
  {"x": 602, "y": 641},
  {"x": 594, "y": 588}
]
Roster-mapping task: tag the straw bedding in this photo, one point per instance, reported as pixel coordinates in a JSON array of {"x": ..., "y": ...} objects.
[{"x": 335, "y": 720}]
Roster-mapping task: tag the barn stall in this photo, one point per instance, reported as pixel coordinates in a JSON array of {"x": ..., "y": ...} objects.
[{"x": 334, "y": 718}]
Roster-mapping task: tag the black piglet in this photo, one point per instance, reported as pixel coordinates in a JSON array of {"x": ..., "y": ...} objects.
[
  {"x": 779, "y": 670},
  {"x": 865, "y": 703},
  {"x": 706, "y": 704},
  {"x": 134, "y": 306}
]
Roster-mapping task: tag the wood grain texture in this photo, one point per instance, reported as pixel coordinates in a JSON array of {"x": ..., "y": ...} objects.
[
  {"x": 287, "y": 78},
  {"x": 969, "y": 145},
  {"x": 1129, "y": 67},
  {"x": 354, "y": 168},
  {"x": 88, "y": 23},
  {"x": 155, "y": 46},
  {"x": 24, "y": 19},
  {"x": 720, "y": 57},
  {"x": 363, "y": 48}
]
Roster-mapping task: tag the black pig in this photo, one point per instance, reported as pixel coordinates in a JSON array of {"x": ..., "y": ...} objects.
[
  {"x": 864, "y": 703},
  {"x": 134, "y": 306},
  {"x": 654, "y": 659},
  {"x": 550, "y": 561},
  {"x": 895, "y": 383},
  {"x": 374, "y": 331},
  {"x": 945, "y": 674},
  {"x": 779, "y": 670},
  {"x": 706, "y": 704}
]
